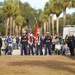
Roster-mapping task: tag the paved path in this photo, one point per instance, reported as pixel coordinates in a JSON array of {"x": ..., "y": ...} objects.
[{"x": 16, "y": 52}]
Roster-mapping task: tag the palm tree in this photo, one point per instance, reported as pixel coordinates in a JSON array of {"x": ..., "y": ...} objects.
[
  {"x": 47, "y": 11},
  {"x": 53, "y": 24},
  {"x": 57, "y": 9},
  {"x": 43, "y": 18},
  {"x": 10, "y": 8},
  {"x": 19, "y": 22},
  {"x": 64, "y": 6},
  {"x": 71, "y": 4}
]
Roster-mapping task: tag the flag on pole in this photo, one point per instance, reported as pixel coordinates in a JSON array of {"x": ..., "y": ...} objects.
[
  {"x": 28, "y": 30},
  {"x": 35, "y": 32}
]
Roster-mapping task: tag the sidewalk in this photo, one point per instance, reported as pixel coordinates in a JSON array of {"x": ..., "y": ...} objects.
[{"x": 16, "y": 52}]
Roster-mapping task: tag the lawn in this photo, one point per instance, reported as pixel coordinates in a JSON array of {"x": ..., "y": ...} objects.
[{"x": 37, "y": 65}]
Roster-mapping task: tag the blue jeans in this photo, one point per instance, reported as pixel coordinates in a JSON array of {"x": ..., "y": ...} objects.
[
  {"x": 14, "y": 46},
  {"x": 39, "y": 48},
  {"x": 9, "y": 49},
  {"x": 24, "y": 49},
  {"x": 49, "y": 50},
  {"x": 63, "y": 51},
  {"x": 17, "y": 44},
  {"x": 31, "y": 48}
]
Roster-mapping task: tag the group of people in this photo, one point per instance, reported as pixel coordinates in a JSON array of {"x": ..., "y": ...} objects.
[
  {"x": 48, "y": 45},
  {"x": 9, "y": 43}
]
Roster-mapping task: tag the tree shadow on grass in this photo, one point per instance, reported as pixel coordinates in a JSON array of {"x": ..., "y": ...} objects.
[
  {"x": 55, "y": 65},
  {"x": 71, "y": 57}
]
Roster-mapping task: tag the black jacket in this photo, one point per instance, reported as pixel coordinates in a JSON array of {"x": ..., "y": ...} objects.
[
  {"x": 71, "y": 41},
  {"x": 0, "y": 42},
  {"x": 48, "y": 40},
  {"x": 24, "y": 40},
  {"x": 17, "y": 40}
]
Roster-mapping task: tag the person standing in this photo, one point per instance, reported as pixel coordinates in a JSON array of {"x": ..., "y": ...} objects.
[
  {"x": 10, "y": 44},
  {"x": 31, "y": 44},
  {"x": 71, "y": 43},
  {"x": 39, "y": 44},
  {"x": 14, "y": 42},
  {"x": 48, "y": 42},
  {"x": 24, "y": 43},
  {"x": 17, "y": 41},
  {"x": 0, "y": 45}
]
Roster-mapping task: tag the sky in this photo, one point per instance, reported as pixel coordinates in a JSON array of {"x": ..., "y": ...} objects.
[{"x": 39, "y": 4}]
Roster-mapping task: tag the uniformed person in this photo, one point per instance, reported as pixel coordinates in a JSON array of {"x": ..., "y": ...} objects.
[
  {"x": 48, "y": 42},
  {"x": 39, "y": 44},
  {"x": 31, "y": 44},
  {"x": 24, "y": 43}
]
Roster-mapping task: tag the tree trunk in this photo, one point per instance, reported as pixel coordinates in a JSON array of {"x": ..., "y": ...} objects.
[
  {"x": 40, "y": 29},
  {"x": 44, "y": 28},
  {"x": 57, "y": 26},
  {"x": 53, "y": 25},
  {"x": 11, "y": 25},
  {"x": 49, "y": 24},
  {"x": 7, "y": 26},
  {"x": 19, "y": 29},
  {"x": 16, "y": 30},
  {"x": 64, "y": 18}
]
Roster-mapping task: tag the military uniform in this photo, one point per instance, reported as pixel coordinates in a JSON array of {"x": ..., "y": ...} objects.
[
  {"x": 24, "y": 43},
  {"x": 39, "y": 46},
  {"x": 48, "y": 42},
  {"x": 31, "y": 45}
]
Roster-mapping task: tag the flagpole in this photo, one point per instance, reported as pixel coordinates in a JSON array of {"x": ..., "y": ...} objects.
[{"x": 28, "y": 34}]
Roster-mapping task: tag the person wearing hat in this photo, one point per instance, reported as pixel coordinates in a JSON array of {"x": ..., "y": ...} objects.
[
  {"x": 24, "y": 43},
  {"x": 48, "y": 42},
  {"x": 31, "y": 44},
  {"x": 39, "y": 44}
]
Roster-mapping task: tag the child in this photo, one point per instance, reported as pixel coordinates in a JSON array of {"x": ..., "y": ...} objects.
[
  {"x": 64, "y": 48},
  {"x": 57, "y": 48}
]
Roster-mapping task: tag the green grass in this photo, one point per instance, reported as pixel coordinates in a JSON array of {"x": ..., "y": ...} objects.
[{"x": 37, "y": 65}]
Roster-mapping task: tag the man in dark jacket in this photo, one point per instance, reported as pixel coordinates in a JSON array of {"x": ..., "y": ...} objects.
[
  {"x": 24, "y": 43},
  {"x": 0, "y": 45},
  {"x": 48, "y": 42},
  {"x": 71, "y": 44}
]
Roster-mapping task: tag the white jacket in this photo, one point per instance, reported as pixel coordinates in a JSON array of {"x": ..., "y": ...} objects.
[{"x": 57, "y": 47}]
